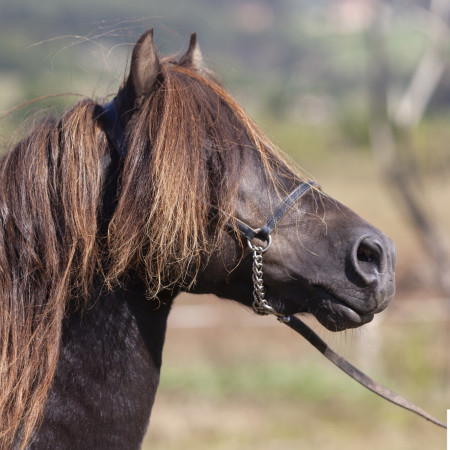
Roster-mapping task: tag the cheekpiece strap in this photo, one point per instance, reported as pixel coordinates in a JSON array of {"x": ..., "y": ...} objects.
[
  {"x": 263, "y": 233},
  {"x": 268, "y": 227}
]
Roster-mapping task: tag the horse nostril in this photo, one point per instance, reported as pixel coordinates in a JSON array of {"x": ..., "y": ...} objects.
[
  {"x": 368, "y": 260},
  {"x": 365, "y": 254}
]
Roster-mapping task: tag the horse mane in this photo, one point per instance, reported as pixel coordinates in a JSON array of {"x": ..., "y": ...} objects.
[
  {"x": 182, "y": 158},
  {"x": 49, "y": 198}
]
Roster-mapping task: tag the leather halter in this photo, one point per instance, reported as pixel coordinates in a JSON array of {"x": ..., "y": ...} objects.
[
  {"x": 263, "y": 233},
  {"x": 117, "y": 137}
]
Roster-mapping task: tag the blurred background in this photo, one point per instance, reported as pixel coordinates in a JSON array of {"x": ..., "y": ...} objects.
[{"x": 358, "y": 93}]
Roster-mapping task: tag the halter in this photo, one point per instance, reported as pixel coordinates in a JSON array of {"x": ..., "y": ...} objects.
[
  {"x": 262, "y": 307},
  {"x": 260, "y": 304},
  {"x": 116, "y": 136}
]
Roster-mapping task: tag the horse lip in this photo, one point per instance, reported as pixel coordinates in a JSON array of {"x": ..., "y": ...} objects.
[
  {"x": 329, "y": 295},
  {"x": 336, "y": 314}
]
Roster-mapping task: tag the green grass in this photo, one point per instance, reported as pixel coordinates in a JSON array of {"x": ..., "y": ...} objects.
[{"x": 304, "y": 382}]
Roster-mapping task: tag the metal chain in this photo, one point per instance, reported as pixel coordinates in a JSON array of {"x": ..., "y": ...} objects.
[{"x": 260, "y": 304}]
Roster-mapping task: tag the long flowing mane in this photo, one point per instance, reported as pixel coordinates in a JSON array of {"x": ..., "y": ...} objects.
[
  {"x": 49, "y": 198},
  {"x": 182, "y": 157}
]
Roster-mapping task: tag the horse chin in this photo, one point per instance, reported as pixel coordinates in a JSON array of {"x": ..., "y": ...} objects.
[
  {"x": 338, "y": 317},
  {"x": 333, "y": 312},
  {"x": 336, "y": 313}
]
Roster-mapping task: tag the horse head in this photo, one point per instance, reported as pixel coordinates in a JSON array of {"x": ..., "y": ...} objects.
[{"x": 207, "y": 169}]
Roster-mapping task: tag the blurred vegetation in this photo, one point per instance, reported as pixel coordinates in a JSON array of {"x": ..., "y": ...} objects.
[
  {"x": 290, "y": 58},
  {"x": 295, "y": 65}
]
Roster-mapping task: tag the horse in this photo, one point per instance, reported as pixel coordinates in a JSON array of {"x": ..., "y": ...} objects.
[{"x": 110, "y": 211}]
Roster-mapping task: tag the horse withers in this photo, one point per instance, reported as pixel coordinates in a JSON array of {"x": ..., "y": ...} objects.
[{"x": 110, "y": 211}]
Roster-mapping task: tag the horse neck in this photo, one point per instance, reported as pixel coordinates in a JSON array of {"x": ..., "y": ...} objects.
[{"x": 107, "y": 374}]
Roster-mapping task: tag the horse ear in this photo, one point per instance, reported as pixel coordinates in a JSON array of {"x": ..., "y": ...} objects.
[
  {"x": 144, "y": 66},
  {"x": 193, "y": 57},
  {"x": 144, "y": 69}
]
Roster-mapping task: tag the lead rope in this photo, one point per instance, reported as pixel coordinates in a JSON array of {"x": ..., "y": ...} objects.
[{"x": 262, "y": 307}]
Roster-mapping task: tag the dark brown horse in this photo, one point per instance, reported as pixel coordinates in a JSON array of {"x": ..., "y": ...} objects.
[{"x": 109, "y": 212}]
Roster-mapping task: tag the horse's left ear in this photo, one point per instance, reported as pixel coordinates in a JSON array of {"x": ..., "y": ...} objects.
[{"x": 193, "y": 57}]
